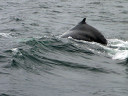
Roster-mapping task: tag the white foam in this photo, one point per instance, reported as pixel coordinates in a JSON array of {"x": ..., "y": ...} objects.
[
  {"x": 5, "y": 34},
  {"x": 119, "y": 50},
  {"x": 121, "y": 55},
  {"x": 16, "y": 51},
  {"x": 116, "y": 49}
]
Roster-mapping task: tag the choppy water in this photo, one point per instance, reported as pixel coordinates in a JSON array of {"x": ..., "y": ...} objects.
[{"x": 35, "y": 61}]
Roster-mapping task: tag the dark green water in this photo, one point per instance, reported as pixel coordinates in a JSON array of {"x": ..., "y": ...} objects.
[{"x": 35, "y": 61}]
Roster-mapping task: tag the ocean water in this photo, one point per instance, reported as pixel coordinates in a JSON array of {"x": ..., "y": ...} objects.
[{"x": 35, "y": 61}]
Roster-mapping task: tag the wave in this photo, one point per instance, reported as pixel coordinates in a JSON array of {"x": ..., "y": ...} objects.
[
  {"x": 4, "y": 94},
  {"x": 48, "y": 53}
]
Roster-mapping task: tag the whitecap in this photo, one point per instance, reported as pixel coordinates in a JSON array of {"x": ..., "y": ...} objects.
[
  {"x": 120, "y": 55},
  {"x": 16, "y": 51},
  {"x": 5, "y": 35},
  {"x": 118, "y": 49}
]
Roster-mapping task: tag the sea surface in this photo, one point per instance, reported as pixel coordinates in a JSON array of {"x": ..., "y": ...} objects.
[{"x": 36, "y": 61}]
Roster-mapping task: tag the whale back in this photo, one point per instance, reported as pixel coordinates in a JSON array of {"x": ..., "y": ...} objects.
[{"x": 83, "y": 31}]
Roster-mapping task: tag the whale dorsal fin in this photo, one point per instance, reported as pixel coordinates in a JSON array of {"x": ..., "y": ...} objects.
[{"x": 83, "y": 21}]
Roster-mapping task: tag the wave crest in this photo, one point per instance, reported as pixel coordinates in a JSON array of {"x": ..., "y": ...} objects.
[{"x": 46, "y": 54}]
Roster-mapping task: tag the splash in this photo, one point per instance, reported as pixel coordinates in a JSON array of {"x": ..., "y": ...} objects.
[{"x": 117, "y": 49}]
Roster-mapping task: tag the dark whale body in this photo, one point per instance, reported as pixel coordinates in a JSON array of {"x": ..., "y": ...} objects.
[{"x": 83, "y": 31}]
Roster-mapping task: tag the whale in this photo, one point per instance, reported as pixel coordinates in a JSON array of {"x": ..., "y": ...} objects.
[{"x": 84, "y": 31}]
